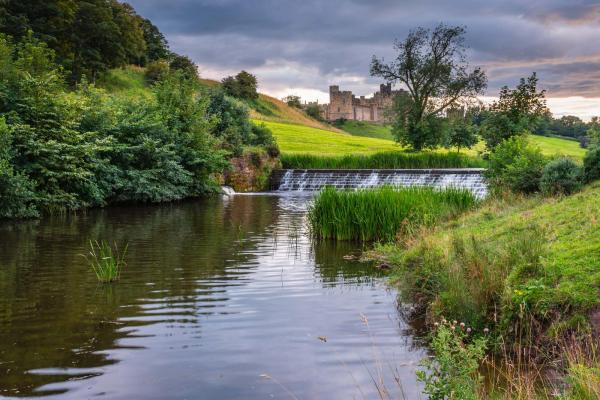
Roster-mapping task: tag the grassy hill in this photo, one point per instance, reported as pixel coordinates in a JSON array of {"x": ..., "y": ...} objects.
[
  {"x": 301, "y": 139},
  {"x": 366, "y": 129}
]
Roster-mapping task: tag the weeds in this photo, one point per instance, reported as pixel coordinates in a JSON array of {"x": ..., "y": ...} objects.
[
  {"x": 383, "y": 160},
  {"x": 383, "y": 213},
  {"x": 106, "y": 262}
]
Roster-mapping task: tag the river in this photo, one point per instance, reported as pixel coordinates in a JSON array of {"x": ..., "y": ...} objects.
[{"x": 221, "y": 298}]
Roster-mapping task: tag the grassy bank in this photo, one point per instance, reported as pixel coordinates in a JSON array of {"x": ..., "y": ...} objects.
[
  {"x": 366, "y": 129},
  {"x": 521, "y": 267},
  {"x": 383, "y": 213},
  {"x": 383, "y": 160}
]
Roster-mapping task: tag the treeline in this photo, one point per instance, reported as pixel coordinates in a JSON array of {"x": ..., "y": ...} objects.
[
  {"x": 89, "y": 36},
  {"x": 67, "y": 145}
]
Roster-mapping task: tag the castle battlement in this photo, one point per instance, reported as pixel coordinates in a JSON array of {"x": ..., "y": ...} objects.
[{"x": 345, "y": 105}]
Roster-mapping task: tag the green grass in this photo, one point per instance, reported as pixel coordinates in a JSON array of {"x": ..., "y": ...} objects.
[
  {"x": 383, "y": 160},
  {"x": 308, "y": 140},
  {"x": 515, "y": 265},
  {"x": 366, "y": 129},
  {"x": 383, "y": 213},
  {"x": 552, "y": 146},
  {"x": 128, "y": 81},
  {"x": 106, "y": 262}
]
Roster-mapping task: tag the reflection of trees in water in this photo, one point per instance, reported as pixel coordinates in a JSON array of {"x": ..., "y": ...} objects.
[{"x": 53, "y": 313}]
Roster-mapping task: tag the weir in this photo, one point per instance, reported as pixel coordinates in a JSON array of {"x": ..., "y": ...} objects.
[{"x": 287, "y": 180}]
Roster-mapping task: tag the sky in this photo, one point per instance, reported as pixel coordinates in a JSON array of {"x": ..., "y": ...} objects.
[{"x": 303, "y": 46}]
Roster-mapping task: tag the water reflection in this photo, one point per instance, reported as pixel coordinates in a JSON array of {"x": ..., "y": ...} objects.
[{"x": 215, "y": 294}]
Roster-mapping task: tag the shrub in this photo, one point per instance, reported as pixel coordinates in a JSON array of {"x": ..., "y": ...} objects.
[
  {"x": 156, "y": 70},
  {"x": 453, "y": 372},
  {"x": 561, "y": 176},
  {"x": 516, "y": 165},
  {"x": 591, "y": 164}
]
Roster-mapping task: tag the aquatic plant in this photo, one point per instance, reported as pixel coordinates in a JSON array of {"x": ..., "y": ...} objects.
[
  {"x": 383, "y": 213},
  {"x": 106, "y": 261},
  {"x": 383, "y": 160}
]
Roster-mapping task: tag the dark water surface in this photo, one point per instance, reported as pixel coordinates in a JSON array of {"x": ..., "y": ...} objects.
[{"x": 221, "y": 299}]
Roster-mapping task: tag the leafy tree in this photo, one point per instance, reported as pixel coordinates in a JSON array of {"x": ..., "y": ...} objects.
[
  {"x": 516, "y": 112},
  {"x": 243, "y": 86},
  {"x": 593, "y": 135},
  {"x": 185, "y": 65},
  {"x": 233, "y": 127},
  {"x": 293, "y": 101},
  {"x": 432, "y": 65},
  {"x": 314, "y": 111},
  {"x": 462, "y": 134},
  {"x": 132, "y": 35},
  {"x": 561, "y": 176},
  {"x": 157, "y": 47}
]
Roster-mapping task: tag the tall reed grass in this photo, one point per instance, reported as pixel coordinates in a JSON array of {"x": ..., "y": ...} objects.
[
  {"x": 382, "y": 214},
  {"x": 383, "y": 160},
  {"x": 106, "y": 261}
]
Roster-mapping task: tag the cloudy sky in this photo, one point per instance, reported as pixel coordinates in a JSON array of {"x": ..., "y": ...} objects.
[{"x": 303, "y": 46}]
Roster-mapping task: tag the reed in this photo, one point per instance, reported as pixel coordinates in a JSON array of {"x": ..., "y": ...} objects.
[
  {"x": 383, "y": 160},
  {"x": 382, "y": 214},
  {"x": 106, "y": 262}
]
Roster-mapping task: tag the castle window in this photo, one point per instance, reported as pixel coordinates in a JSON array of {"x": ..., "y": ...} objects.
[{"x": 338, "y": 109}]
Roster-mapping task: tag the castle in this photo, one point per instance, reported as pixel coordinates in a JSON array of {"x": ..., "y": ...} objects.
[{"x": 344, "y": 105}]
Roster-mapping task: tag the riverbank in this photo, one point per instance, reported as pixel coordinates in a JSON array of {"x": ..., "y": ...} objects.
[{"x": 525, "y": 269}]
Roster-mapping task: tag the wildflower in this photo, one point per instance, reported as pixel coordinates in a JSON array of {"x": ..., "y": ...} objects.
[
  {"x": 486, "y": 331},
  {"x": 468, "y": 330}
]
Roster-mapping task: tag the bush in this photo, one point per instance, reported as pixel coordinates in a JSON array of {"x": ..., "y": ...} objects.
[
  {"x": 561, "y": 176},
  {"x": 591, "y": 164},
  {"x": 516, "y": 165},
  {"x": 156, "y": 71}
]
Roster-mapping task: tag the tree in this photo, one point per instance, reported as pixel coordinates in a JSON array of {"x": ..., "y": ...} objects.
[
  {"x": 243, "y": 86},
  {"x": 516, "y": 112},
  {"x": 432, "y": 65},
  {"x": 157, "y": 47},
  {"x": 314, "y": 111},
  {"x": 293, "y": 101},
  {"x": 462, "y": 134},
  {"x": 185, "y": 65}
]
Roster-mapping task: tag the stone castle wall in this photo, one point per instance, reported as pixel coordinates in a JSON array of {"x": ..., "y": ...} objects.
[{"x": 345, "y": 105}]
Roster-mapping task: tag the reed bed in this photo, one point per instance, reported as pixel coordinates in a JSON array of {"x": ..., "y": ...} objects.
[
  {"x": 384, "y": 213},
  {"x": 106, "y": 261},
  {"x": 383, "y": 160}
]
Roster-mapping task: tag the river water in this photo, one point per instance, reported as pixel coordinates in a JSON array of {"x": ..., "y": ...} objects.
[{"x": 224, "y": 298}]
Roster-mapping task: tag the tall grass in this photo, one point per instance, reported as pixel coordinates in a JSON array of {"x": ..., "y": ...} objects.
[
  {"x": 383, "y": 160},
  {"x": 383, "y": 213},
  {"x": 106, "y": 262}
]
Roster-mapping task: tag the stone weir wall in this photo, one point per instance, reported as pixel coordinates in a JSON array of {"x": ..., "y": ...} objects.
[{"x": 287, "y": 180}]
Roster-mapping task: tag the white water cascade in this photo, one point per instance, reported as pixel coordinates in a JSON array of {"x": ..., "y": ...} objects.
[{"x": 313, "y": 180}]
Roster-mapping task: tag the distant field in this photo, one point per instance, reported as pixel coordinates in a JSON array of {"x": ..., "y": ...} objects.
[
  {"x": 553, "y": 146},
  {"x": 300, "y": 139},
  {"x": 550, "y": 146}
]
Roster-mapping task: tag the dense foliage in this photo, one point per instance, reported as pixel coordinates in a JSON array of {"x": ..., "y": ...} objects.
[
  {"x": 516, "y": 112},
  {"x": 242, "y": 86},
  {"x": 66, "y": 150},
  {"x": 88, "y": 36},
  {"x": 591, "y": 165},
  {"x": 516, "y": 165},
  {"x": 561, "y": 176}
]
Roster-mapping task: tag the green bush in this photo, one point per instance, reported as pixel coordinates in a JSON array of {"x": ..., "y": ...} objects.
[
  {"x": 516, "y": 165},
  {"x": 453, "y": 373},
  {"x": 561, "y": 176},
  {"x": 591, "y": 164},
  {"x": 156, "y": 70}
]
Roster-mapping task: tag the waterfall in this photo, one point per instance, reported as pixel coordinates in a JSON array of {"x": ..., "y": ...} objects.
[{"x": 313, "y": 180}]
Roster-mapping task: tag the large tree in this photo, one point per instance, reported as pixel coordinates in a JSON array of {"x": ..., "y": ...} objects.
[{"x": 433, "y": 66}]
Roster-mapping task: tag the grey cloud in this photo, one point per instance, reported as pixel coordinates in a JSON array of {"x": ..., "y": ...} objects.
[{"x": 338, "y": 37}]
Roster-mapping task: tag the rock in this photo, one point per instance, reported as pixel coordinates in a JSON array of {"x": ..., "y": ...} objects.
[
  {"x": 323, "y": 338},
  {"x": 349, "y": 257}
]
